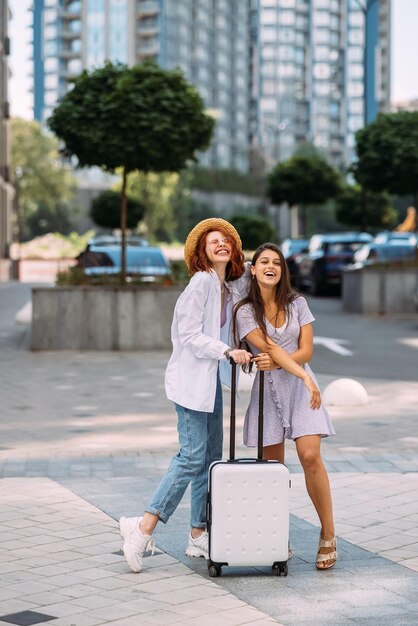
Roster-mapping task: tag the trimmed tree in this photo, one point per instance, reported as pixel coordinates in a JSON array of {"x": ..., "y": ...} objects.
[
  {"x": 105, "y": 210},
  {"x": 303, "y": 180},
  {"x": 253, "y": 229},
  {"x": 352, "y": 210},
  {"x": 133, "y": 118},
  {"x": 387, "y": 154}
]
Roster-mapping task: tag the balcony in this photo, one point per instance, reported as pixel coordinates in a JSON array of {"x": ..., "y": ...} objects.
[
  {"x": 69, "y": 75},
  {"x": 147, "y": 31},
  {"x": 147, "y": 8},
  {"x": 68, "y": 34},
  {"x": 66, "y": 15},
  {"x": 147, "y": 49},
  {"x": 69, "y": 54}
]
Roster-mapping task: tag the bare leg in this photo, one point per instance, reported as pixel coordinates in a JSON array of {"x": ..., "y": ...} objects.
[
  {"x": 317, "y": 485},
  {"x": 274, "y": 453},
  {"x": 148, "y": 523}
]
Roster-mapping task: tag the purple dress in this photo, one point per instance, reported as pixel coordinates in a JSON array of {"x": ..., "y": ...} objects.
[{"x": 287, "y": 413}]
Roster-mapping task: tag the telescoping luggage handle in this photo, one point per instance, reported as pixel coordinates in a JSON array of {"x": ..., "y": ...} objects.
[{"x": 233, "y": 417}]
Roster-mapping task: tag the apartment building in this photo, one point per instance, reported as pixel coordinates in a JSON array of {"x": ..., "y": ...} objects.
[
  {"x": 322, "y": 69},
  {"x": 274, "y": 73},
  {"x": 207, "y": 39}
]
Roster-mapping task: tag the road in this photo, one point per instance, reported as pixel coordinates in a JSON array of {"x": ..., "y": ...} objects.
[{"x": 383, "y": 347}]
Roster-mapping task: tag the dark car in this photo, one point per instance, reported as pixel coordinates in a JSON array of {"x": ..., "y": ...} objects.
[
  {"x": 292, "y": 248},
  {"x": 321, "y": 267},
  {"x": 142, "y": 261},
  {"x": 382, "y": 254}
]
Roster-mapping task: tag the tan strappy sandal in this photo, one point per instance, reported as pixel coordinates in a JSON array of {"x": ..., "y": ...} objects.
[{"x": 326, "y": 561}]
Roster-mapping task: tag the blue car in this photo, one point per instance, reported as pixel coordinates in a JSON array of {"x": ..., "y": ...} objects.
[
  {"x": 146, "y": 263},
  {"x": 383, "y": 254},
  {"x": 321, "y": 267}
]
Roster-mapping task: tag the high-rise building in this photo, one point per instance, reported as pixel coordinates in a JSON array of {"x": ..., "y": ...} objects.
[
  {"x": 6, "y": 188},
  {"x": 275, "y": 73},
  {"x": 320, "y": 67},
  {"x": 207, "y": 39}
]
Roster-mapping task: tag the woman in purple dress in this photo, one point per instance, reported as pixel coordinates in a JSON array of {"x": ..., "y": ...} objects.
[{"x": 277, "y": 324}]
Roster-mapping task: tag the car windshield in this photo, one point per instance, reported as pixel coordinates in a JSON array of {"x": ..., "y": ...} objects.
[
  {"x": 135, "y": 257},
  {"x": 293, "y": 246},
  {"x": 346, "y": 247}
]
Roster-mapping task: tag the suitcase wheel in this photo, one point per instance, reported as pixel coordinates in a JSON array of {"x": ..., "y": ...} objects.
[
  {"x": 214, "y": 571},
  {"x": 278, "y": 570}
]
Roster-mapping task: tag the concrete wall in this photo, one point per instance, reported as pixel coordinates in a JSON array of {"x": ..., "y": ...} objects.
[
  {"x": 102, "y": 318},
  {"x": 380, "y": 291}
]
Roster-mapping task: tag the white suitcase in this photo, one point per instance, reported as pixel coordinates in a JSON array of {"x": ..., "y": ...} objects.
[{"x": 248, "y": 506}]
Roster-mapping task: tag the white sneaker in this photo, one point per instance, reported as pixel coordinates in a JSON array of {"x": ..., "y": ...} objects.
[
  {"x": 198, "y": 546},
  {"x": 135, "y": 543}
]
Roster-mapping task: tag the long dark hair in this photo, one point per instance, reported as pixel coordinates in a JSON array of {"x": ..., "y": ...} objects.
[{"x": 284, "y": 295}]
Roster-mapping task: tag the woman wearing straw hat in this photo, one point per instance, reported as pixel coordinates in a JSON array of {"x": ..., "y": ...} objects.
[{"x": 201, "y": 340}]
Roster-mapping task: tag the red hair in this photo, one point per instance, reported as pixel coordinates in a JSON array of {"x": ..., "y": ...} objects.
[{"x": 201, "y": 263}]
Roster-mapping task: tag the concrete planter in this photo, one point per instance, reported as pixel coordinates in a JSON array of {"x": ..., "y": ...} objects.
[
  {"x": 380, "y": 290},
  {"x": 103, "y": 318}
]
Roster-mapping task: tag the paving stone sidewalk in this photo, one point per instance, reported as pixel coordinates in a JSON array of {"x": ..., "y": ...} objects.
[
  {"x": 61, "y": 563},
  {"x": 85, "y": 437}
]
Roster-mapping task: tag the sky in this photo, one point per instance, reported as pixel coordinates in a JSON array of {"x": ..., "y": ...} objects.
[{"x": 404, "y": 70}]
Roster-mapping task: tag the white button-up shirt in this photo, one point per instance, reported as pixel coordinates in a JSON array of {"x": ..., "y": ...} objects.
[{"x": 190, "y": 378}]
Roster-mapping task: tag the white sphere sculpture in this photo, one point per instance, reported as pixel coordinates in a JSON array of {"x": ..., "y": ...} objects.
[{"x": 345, "y": 391}]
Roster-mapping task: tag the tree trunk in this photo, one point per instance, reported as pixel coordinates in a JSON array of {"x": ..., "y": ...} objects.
[
  {"x": 123, "y": 227},
  {"x": 364, "y": 209},
  {"x": 149, "y": 217},
  {"x": 304, "y": 220}
]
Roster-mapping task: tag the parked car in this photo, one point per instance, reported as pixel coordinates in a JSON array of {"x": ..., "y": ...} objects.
[
  {"x": 382, "y": 253},
  {"x": 396, "y": 236},
  {"x": 291, "y": 249},
  {"x": 321, "y": 267},
  {"x": 110, "y": 240},
  {"x": 147, "y": 263}
]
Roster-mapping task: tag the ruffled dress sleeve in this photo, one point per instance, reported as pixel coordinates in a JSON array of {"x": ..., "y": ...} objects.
[
  {"x": 304, "y": 313},
  {"x": 246, "y": 321}
]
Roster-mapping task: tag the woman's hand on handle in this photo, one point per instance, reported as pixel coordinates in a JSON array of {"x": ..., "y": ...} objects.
[
  {"x": 242, "y": 357},
  {"x": 315, "y": 400},
  {"x": 263, "y": 361}
]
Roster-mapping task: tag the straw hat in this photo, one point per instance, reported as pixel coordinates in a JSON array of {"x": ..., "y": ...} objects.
[{"x": 205, "y": 226}]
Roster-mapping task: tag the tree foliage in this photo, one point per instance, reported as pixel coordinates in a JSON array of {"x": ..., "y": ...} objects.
[
  {"x": 303, "y": 180},
  {"x": 105, "y": 210},
  {"x": 161, "y": 193},
  {"x": 139, "y": 118},
  {"x": 253, "y": 229},
  {"x": 45, "y": 188},
  {"x": 134, "y": 118},
  {"x": 387, "y": 154},
  {"x": 357, "y": 208},
  {"x": 227, "y": 180}
]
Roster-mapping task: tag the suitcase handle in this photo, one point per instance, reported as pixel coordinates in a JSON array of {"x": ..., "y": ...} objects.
[{"x": 233, "y": 416}]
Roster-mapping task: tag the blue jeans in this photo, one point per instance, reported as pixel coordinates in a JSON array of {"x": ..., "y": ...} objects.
[{"x": 200, "y": 438}]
